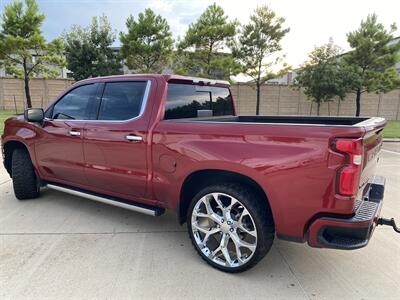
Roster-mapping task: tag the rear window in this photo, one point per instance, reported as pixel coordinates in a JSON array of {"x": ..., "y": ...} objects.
[{"x": 192, "y": 101}]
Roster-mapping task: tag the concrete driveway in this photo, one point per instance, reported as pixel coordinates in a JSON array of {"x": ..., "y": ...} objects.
[{"x": 64, "y": 247}]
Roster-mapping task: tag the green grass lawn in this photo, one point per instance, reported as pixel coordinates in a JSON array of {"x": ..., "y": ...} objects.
[
  {"x": 5, "y": 114},
  {"x": 392, "y": 129}
]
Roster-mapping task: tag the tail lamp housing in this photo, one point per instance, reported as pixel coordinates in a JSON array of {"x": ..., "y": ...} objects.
[{"x": 349, "y": 174}]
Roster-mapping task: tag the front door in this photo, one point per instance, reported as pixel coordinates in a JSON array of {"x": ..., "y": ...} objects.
[
  {"x": 115, "y": 144},
  {"x": 59, "y": 150}
]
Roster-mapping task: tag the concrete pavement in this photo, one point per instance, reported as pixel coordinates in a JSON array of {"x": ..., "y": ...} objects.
[{"x": 64, "y": 247}]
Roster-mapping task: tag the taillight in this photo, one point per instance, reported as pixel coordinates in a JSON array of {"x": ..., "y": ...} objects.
[{"x": 349, "y": 175}]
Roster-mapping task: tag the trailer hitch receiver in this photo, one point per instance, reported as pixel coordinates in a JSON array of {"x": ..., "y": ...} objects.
[{"x": 389, "y": 222}]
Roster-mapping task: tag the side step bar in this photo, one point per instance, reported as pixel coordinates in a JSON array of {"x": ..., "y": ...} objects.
[{"x": 138, "y": 207}]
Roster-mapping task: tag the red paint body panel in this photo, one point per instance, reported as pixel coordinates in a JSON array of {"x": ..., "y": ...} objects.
[
  {"x": 293, "y": 164},
  {"x": 111, "y": 161},
  {"x": 59, "y": 155}
]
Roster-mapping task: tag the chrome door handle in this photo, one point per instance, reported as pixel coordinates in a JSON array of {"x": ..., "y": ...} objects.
[
  {"x": 74, "y": 133},
  {"x": 134, "y": 138}
]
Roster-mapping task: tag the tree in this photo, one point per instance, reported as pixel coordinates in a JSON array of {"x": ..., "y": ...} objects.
[
  {"x": 257, "y": 42},
  {"x": 200, "y": 52},
  {"x": 322, "y": 76},
  {"x": 372, "y": 60},
  {"x": 88, "y": 50},
  {"x": 148, "y": 44},
  {"x": 23, "y": 49}
]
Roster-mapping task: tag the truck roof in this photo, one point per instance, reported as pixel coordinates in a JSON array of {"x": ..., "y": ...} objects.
[{"x": 166, "y": 77}]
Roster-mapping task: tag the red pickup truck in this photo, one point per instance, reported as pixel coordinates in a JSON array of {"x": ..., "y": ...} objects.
[{"x": 155, "y": 142}]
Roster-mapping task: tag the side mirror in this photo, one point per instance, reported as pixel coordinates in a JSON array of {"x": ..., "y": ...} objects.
[{"x": 35, "y": 115}]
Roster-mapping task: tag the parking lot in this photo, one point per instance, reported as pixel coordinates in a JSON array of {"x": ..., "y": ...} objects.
[{"x": 65, "y": 247}]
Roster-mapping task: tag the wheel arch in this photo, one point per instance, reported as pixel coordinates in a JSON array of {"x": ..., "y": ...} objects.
[
  {"x": 199, "y": 179},
  {"x": 8, "y": 149}
]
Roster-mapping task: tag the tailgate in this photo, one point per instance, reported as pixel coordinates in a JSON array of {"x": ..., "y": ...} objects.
[{"x": 372, "y": 143}]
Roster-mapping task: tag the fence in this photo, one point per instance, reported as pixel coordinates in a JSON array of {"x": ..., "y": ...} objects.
[
  {"x": 283, "y": 100},
  {"x": 43, "y": 91},
  {"x": 275, "y": 99}
]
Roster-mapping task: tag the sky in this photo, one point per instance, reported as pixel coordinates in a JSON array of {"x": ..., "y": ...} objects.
[{"x": 311, "y": 22}]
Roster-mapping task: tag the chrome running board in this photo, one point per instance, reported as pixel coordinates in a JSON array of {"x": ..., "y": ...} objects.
[{"x": 141, "y": 208}]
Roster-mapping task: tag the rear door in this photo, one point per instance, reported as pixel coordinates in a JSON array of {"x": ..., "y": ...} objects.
[
  {"x": 115, "y": 144},
  {"x": 59, "y": 150}
]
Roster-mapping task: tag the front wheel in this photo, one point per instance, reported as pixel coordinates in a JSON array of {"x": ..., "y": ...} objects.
[
  {"x": 230, "y": 226},
  {"x": 25, "y": 181}
]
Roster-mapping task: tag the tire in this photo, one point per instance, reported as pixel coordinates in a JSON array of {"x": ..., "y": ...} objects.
[
  {"x": 25, "y": 181},
  {"x": 235, "y": 238}
]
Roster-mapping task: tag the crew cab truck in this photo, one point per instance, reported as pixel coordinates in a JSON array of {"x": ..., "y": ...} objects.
[{"x": 155, "y": 142}]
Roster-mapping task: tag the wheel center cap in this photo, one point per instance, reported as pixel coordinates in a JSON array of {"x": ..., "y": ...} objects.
[{"x": 225, "y": 228}]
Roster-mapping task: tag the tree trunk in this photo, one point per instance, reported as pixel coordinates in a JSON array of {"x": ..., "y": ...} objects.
[
  {"x": 258, "y": 99},
  {"x": 318, "y": 107},
  {"x": 27, "y": 93},
  {"x": 27, "y": 90},
  {"x": 209, "y": 59},
  {"x": 358, "y": 102}
]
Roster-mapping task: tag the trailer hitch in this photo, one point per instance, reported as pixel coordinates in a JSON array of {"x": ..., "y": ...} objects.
[{"x": 389, "y": 222}]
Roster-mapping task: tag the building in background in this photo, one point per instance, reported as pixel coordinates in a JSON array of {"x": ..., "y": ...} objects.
[
  {"x": 63, "y": 72},
  {"x": 394, "y": 41}
]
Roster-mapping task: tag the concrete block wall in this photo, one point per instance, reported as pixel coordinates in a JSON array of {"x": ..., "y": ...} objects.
[
  {"x": 43, "y": 91},
  {"x": 284, "y": 100},
  {"x": 275, "y": 99}
]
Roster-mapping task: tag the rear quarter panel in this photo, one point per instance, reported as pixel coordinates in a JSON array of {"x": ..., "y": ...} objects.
[{"x": 293, "y": 164}]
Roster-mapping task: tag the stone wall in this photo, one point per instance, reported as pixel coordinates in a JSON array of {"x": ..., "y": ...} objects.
[{"x": 275, "y": 99}]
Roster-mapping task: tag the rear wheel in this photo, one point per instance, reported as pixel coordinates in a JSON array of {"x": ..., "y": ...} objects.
[
  {"x": 25, "y": 181},
  {"x": 230, "y": 227}
]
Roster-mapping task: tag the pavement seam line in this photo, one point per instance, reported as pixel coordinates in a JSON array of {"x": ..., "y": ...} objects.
[
  {"x": 393, "y": 152},
  {"x": 293, "y": 273},
  {"x": 4, "y": 182},
  {"x": 26, "y": 276}
]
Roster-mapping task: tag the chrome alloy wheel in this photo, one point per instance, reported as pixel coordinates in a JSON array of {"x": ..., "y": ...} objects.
[{"x": 224, "y": 230}]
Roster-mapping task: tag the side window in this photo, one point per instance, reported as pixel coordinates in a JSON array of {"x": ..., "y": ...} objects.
[
  {"x": 192, "y": 101},
  {"x": 78, "y": 104},
  {"x": 122, "y": 100}
]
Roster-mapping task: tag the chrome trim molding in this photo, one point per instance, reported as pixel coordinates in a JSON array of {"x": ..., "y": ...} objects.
[
  {"x": 103, "y": 200},
  {"x": 142, "y": 108},
  {"x": 145, "y": 98},
  {"x": 74, "y": 133},
  {"x": 134, "y": 138}
]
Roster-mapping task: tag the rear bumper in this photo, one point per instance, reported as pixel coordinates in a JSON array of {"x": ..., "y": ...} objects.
[{"x": 350, "y": 233}]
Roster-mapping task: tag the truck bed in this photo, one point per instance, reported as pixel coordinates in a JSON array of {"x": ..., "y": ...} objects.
[{"x": 295, "y": 120}]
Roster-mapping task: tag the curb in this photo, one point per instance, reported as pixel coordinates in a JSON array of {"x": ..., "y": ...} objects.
[{"x": 392, "y": 140}]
